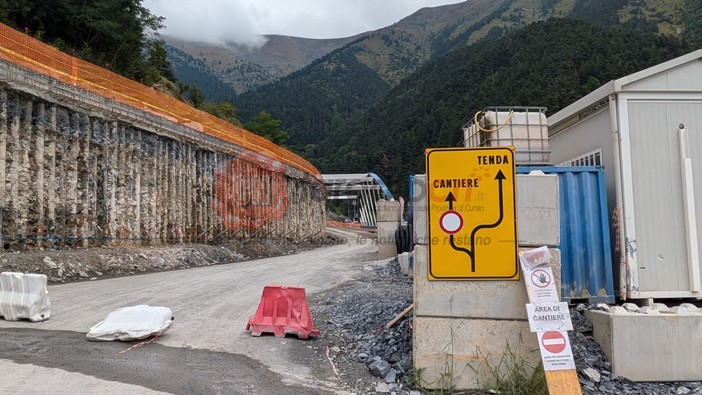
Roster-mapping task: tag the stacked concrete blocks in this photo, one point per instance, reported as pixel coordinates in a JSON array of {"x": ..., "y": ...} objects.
[{"x": 465, "y": 330}]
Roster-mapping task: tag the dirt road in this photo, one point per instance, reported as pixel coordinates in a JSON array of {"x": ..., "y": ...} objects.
[{"x": 207, "y": 350}]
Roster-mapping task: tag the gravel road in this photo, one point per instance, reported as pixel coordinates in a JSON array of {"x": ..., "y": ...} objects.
[
  {"x": 207, "y": 350},
  {"x": 351, "y": 298}
]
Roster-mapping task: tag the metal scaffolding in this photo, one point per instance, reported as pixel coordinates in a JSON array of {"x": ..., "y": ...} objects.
[{"x": 362, "y": 190}]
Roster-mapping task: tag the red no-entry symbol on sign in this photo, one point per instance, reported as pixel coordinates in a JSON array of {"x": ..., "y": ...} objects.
[
  {"x": 553, "y": 342},
  {"x": 540, "y": 278},
  {"x": 451, "y": 222}
]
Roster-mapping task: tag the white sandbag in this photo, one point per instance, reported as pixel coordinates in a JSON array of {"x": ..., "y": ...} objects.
[
  {"x": 132, "y": 323},
  {"x": 24, "y": 296}
]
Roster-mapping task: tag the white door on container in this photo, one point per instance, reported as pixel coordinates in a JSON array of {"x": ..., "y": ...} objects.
[{"x": 661, "y": 245}]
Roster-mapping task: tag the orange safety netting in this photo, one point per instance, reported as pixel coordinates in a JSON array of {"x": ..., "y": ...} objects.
[{"x": 30, "y": 53}]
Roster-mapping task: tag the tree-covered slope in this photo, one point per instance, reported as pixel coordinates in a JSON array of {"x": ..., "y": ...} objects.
[
  {"x": 192, "y": 71},
  {"x": 320, "y": 99},
  {"x": 316, "y": 100},
  {"x": 547, "y": 64}
]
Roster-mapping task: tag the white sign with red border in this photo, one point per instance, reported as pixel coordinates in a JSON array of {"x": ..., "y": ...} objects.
[
  {"x": 540, "y": 285},
  {"x": 556, "y": 353}
]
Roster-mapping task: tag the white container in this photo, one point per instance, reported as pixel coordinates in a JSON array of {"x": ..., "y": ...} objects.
[
  {"x": 525, "y": 128},
  {"x": 645, "y": 130}
]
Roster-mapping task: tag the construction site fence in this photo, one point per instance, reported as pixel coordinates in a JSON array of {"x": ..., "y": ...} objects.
[{"x": 23, "y": 50}]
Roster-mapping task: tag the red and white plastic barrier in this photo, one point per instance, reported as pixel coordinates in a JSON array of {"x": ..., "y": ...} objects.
[{"x": 282, "y": 310}]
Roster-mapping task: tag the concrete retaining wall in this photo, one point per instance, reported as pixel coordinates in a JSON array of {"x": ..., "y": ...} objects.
[{"x": 71, "y": 176}]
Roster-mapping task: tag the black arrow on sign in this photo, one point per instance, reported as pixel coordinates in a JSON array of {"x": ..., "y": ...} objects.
[
  {"x": 499, "y": 177},
  {"x": 450, "y": 199}
]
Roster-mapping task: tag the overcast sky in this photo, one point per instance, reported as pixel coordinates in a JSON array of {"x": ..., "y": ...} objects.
[{"x": 244, "y": 21}]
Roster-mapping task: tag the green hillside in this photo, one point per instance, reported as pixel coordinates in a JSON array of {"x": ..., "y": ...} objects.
[
  {"x": 322, "y": 98},
  {"x": 547, "y": 64},
  {"x": 193, "y": 72}
]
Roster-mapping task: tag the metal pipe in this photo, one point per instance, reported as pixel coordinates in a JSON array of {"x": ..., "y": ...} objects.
[
  {"x": 693, "y": 257},
  {"x": 619, "y": 209}
]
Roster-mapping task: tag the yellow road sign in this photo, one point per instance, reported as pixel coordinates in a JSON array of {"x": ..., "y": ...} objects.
[{"x": 472, "y": 226}]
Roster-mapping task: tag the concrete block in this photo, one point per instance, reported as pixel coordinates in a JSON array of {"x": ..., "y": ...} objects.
[
  {"x": 455, "y": 353},
  {"x": 406, "y": 260},
  {"x": 419, "y": 207},
  {"x": 538, "y": 219},
  {"x": 662, "y": 307},
  {"x": 386, "y": 239},
  {"x": 618, "y": 310},
  {"x": 403, "y": 260},
  {"x": 685, "y": 308},
  {"x": 470, "y": 299},
  {"x": 643, "y": 347},
  {"x": 387, "y": 211},
  {"x": 649, "y": 310}
]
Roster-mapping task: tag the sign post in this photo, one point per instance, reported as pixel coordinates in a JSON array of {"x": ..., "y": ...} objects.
[
  {"x": 550, "y": 319},
  {"x": 472, "y": 214}
]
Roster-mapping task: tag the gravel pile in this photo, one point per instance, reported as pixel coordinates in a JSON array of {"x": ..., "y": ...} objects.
[
  {"x": 352, "y": 320},
  {"x": 63, "y": 266}
]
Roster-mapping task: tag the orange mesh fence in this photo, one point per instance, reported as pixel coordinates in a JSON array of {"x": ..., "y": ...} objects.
[
  {"x": 30, "y": 53},
  {"x": 344, "y": 225}
]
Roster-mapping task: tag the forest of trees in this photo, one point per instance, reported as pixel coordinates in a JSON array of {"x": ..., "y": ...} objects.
[
  {"x": 113, "y": 34},
  {"x": 548, "y": 64},
  {"x": 119, "y": 35},
  {"x": 342, "y": 115}
]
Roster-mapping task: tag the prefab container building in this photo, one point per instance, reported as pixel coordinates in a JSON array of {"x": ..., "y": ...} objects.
[{"x": 645, "y": 129}]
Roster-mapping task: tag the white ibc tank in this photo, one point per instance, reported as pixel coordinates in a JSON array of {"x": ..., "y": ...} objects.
[{"x": 525, "y": 128}]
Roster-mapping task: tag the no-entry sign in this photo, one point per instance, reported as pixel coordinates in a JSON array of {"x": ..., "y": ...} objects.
[
  {"x": 553, "y": 342},
  {"x": 556, "y": 353}
]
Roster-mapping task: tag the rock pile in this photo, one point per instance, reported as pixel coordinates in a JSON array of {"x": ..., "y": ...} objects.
[
  {"x": 92, "y": 264},
  {"x": 62, "y": 266},
  {"x": 354, "y": 318},
  {"x": 353, "y": 324}
]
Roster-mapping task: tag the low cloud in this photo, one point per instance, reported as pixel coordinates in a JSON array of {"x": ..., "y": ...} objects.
[
  {"x": 211, "y": 21},
  {"x": 244, "y": 22}
]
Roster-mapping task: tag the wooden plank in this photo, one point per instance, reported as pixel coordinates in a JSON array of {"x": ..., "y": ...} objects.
[
  {"x": 399, "y": 316},
  {"x": 563, "y": 382},
  {"x": 559, "y": 382}
]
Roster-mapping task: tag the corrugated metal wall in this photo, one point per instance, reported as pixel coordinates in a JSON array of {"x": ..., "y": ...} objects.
[{"x": 586, "y": 255}]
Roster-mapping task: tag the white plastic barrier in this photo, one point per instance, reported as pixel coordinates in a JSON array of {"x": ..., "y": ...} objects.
[
  {"x": 24, "y": 296},
  {"x": 132, "y": 323}
]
